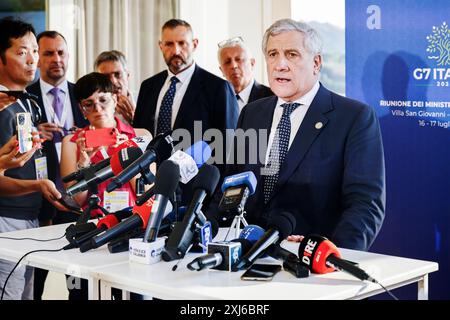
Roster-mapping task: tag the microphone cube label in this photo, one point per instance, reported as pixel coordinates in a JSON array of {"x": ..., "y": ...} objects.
[{"x": 230, "y": 251}]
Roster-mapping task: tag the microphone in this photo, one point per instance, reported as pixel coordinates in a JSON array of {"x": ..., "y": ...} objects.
[
  {"x": 320, "y": 255},
  {"x": 189, "y": 162},
  {"x": 291, "y": 262},
  {"x": 181, "y": 237},
  {"x": 166, "y": 183},
  {"x": 280, "y": 227},
  {"x": 118, "y": 161},
  {"x": 159, "y": 149},
  {"x": 139, "y": 219},
  {"x": 222, "y": 255},
  {"x": 107, "y": 222},
  {"x": 139, "y": 142}
]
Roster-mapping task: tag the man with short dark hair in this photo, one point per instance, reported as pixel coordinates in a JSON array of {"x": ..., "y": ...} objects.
[
  {"x": 18, "y": 62},
  {"x": 114, "y": 64},
  {"x": 60, "y": 114},
  {"x": 184, "y": 95},
  {"x": 236, "y": 63}
]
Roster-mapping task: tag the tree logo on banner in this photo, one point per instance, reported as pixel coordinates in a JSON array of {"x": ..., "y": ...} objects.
[{"x": 439, "y": 45}]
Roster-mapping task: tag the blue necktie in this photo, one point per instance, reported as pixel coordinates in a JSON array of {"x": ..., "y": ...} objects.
[
  {"x": 278, "y": 150},
  {"x": 165, "y": 111}
]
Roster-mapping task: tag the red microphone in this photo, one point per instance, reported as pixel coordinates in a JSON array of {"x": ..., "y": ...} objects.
[{"x": 321, "y": 256}]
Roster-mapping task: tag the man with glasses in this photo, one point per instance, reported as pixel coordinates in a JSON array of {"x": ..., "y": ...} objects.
[
  {"x": 59, "y": 115},
  {"x": 114, "y": 64},
  {"x": 185, "y": 96},
  {"x": 236, "y": 63}
]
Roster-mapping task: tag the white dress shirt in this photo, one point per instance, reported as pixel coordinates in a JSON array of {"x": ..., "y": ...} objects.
[
  {"x": 184, "y": 78},
  {"x": 297, "y": 116}
]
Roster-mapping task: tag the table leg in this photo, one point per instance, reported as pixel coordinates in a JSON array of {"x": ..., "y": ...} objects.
[{"x": 422, "y": 284}]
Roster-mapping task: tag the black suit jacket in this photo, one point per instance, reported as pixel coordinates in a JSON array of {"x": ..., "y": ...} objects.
[
  {"x": 333, "y": 177},
  {"x": 208, "y": 99},
  {"x": 49, "y": 147},
  {"x": 259, "y": 91}
]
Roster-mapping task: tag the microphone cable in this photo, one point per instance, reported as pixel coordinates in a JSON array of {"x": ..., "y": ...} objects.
[{"x": 17, "y": 264}]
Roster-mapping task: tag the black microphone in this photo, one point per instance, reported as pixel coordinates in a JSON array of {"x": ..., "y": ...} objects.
[
  {"x": 107, "y": 222},
  {"x": 181, "y": 237},
  {"x": 320, "y": 255},
  {"x": 166, "y": 182},
  {"x": 280, "y": 227},
  {"x": 79, "y": 175},
  {"x": 291, "y": 262},
  {"x": 118, "y": 161},
  {"x": 159, "y": 149}
]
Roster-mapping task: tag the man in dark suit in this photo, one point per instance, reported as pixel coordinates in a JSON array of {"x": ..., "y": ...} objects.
[
  {"x": 185, "y": 96},
  {"x": 236, "y": 63},
  {"x": 60, "y": 113},
  {"x": 324, "y": 160}
]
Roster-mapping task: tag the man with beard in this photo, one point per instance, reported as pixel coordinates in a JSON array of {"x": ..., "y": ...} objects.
[{"x": 185, "y": 95}]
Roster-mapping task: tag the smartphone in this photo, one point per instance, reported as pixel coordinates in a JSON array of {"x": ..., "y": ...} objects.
[
  {"x": 24, "y": 129},
  {"x": 19, "y": 94},
  {"x": 261, "y": 272},
  {"x": 100, "y": 137},
  {"x": 70, "y": 203}
]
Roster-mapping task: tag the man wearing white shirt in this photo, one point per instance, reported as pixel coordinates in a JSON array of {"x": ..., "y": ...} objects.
[
  {"x": 236, "y": 63},
  {"x": 60, "y": 114}
]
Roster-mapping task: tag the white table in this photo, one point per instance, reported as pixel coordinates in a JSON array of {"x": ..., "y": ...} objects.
[
  {"x": 71, "y": 262},
  {"x": 158, "y": 280}
]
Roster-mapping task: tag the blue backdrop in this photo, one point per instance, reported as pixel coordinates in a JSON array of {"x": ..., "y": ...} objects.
[{"x": 398, "y": 61}]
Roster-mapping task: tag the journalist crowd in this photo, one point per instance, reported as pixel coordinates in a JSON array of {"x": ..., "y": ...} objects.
[{"x": 73, "y": 152}]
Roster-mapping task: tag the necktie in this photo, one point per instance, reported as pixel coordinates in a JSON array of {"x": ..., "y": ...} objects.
[
  {"x": 58, "y": 107},
  {"x": 165, "y": 112},
  {"x": 278, "y": 150},
  {"x": 238, "y": 97}
]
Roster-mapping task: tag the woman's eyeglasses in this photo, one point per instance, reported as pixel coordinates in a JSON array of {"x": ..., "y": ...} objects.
[{"x": 89, "y": 105}]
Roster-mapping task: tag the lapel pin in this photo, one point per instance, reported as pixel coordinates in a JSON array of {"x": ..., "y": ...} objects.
[{"x": 319, "y": 125}]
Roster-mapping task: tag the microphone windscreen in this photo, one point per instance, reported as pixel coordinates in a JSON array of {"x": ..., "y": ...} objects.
[
  {"x": 207, "y": 178},
  {"x": 252, "y": 233},
  {"x": 108, "y": 221},
  {"x": 200, "y": 152},
  {"x": 167, "y": 178},
  {"x": 284, "y": 223}
]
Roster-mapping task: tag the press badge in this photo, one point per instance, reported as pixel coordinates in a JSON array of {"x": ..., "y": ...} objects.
[
  {"x": 41, "y": 168},
  {"x": 116, "y": 200}
]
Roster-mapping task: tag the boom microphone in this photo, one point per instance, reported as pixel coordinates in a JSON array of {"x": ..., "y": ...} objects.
[
  {"x": 181, "y": 237},
  {"x": 281, "y": 226},
  {"x": 118, "y": 161},
  {"x": 320, "y": 255},
  {"x": 159, "y": 149}
]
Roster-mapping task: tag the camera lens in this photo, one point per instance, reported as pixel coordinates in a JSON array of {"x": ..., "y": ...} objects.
[{"x": 21, "y": 120}]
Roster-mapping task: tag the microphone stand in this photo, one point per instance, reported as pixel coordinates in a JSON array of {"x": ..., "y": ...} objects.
[{"x": 236, "y": 224}]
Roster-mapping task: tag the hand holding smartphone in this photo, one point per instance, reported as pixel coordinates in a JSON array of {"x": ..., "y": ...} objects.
[
  {"x": 261, "y": 272},
  {"x": 100, "y": 137}
]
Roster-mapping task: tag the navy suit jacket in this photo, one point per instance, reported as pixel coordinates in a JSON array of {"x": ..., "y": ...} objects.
[
  {"x": 333, "y": 177},
  {"x": 48, "y": 146},
  {"x": 259, "y": 91}
]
